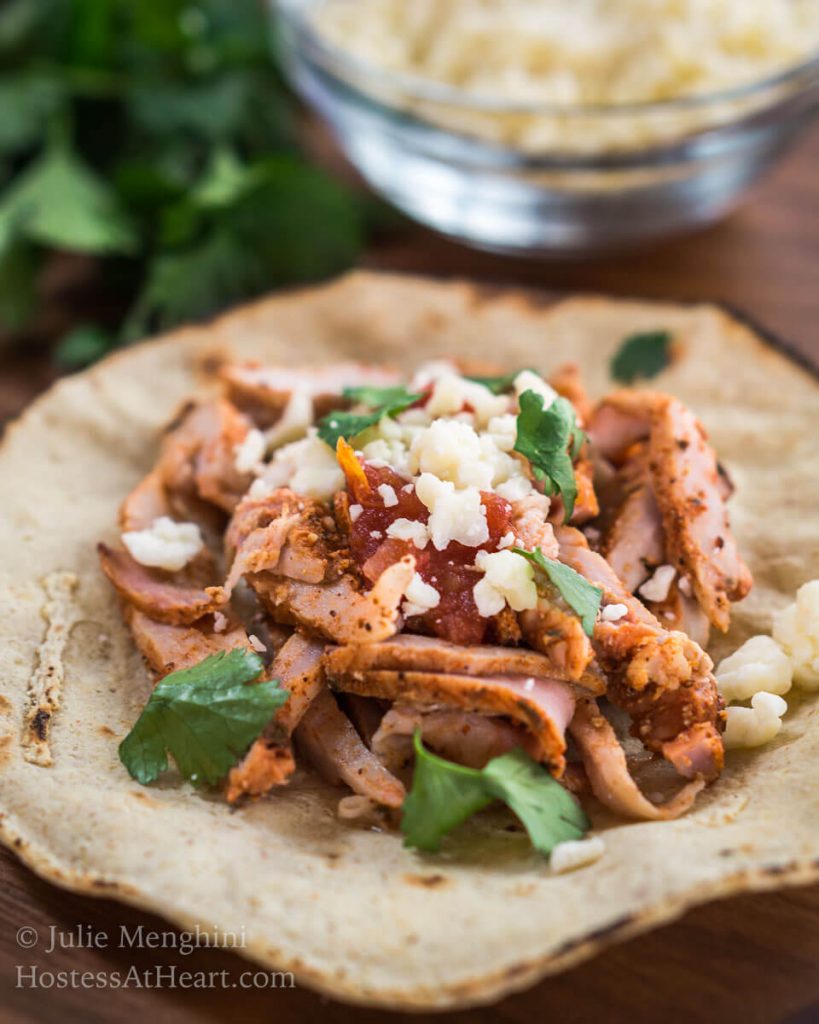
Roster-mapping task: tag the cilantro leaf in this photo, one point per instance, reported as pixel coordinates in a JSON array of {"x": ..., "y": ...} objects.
[
  {"x": 444, "y": 795},
  {"x": 206, "y": 717},
  {"x": 387, "y": 402},
  {"x": 641, "y": 356},
  {"x": 581, "y": 596},
  {"x": 19, "y": 265},
  {"x": 279, "y": 220},
  {"x": 83, "y": 345},
  {"x": 549, "y": 812},
  {"x": 550, "y": 439},
  {"x": 59, "y": 201},
  {"x": 497, "y": 385},
  {"x": 27, "y": 99}
]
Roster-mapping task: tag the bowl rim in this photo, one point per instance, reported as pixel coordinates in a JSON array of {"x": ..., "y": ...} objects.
[{"x": 416, "y": 87}]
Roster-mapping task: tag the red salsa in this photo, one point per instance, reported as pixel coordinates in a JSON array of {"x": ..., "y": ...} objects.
[{"x": 451, "y": 571}]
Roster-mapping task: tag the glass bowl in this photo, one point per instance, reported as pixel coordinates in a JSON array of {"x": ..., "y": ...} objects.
[{"x": 575, "y": 181}]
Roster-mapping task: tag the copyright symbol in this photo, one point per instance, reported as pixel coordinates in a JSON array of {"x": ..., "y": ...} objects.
[{"x": 27, "y": 937}]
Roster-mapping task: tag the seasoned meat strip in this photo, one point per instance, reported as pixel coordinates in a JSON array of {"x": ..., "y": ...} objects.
[
  {"x": 299, "y": 670},
  {"x": 337, "y": 752},
  {"x": 543, "y": 706},
  {"x": 662, "y": 679},
  {"x": 465, "y": 737},
  {"x": 409, "y": 652},
  {"x": 607, "y": 770},
  {"x": 165, "y": 596}
]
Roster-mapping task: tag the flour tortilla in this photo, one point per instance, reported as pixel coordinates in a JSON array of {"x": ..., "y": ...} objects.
[{"x": 351, "y": 912}]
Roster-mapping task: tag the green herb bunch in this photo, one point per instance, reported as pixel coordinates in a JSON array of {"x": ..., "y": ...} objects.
[{"x": 158, "y": 137}]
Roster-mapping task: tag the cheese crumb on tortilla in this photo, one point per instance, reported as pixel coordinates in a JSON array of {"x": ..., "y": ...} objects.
[
  {"x": 759, "y": 664},
  {"x": 576, "y": 853},
  {"x": 796, "y": 628},
  {"x": 756, "y": 725},
  {"x": 165, "y": 544}
]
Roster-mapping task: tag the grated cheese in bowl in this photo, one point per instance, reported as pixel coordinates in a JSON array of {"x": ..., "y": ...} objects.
[{"x": 574, "y": 54}]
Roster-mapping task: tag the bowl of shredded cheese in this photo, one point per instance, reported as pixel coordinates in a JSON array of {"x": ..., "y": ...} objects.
[{"x": 558, "y": 126}]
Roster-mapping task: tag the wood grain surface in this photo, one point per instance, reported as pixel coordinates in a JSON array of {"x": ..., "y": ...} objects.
[{"x": 753, "y": 959}]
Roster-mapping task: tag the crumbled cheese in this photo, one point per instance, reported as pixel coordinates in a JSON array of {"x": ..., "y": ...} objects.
[
  {"x": 613, "y": 612},
  {"x": 504, "y": 431},
  {"x": 388, "y": 452},
  {"x": 546, "y": 54},
  {"x": 685, "y": 588},
  {"x": 515, "y": 489},
  {"x": 656, "y": 588},
  {"x": 249, "y": 453},
  {"x": 420, "y": 597},
  {"x": 528, "y": 380},
  {"x": 758, "y": 724},
  {"x": 219, "y": 622},
  {"x": 164, "y": 544},
  {"x": 506, "y": 541},
  {"x": 508, "y": 577},
  {"x": 388, "y": 495},
  {"x": 796, "y": 628},
  {"x": 256, "y": 643},
  {"x": 308, "y": 466},
  {"x": 376, "y": 534},
  {"x": 529, "y": 685},
  {"x": 452, "y": 451},
  {"x": 294, "y": 421},
  {"x": 428, "y": 373},
  {"x": 355, "y": 512},
  {"x": 454, "y": 515},
  {"x": 409, "y": 529},
  {"x": 759, "y": 664},
  {"x": 576, "y": 853},
  {"x": 452, "y": 392}
]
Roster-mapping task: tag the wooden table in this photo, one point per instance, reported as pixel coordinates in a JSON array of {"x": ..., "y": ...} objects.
[{"x": 753, "y": 958}]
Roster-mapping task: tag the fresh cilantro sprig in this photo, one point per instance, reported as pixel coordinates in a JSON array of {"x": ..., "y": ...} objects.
[
  {"x": 641, "y": 356},
  {"x": 206, "y": 716},
  {"x": 551, "y": 440},
  {"x": 444, "y": 795},
  {"x": 581, "y": 596},
  {"x": 157, "y": 137},
  {"x": 385, "y": 402}
]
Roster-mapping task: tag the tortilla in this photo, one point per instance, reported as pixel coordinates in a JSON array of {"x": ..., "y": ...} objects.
[{"x": 352, "y": 912}]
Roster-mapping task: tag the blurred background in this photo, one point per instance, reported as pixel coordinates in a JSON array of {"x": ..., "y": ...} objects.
[{"x": 156, "y": 168}]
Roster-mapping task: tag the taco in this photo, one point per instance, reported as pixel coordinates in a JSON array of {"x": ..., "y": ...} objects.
[{"x": 404, "y": 627}]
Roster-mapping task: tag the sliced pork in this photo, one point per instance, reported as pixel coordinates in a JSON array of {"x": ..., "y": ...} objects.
[
  {"x": 689, "y": 489},
  {"x": 269, "y": 762},
  {"x": 543, "y": 706},
  {"x": 607, "y": 770},
  {"x": 336, "y": 750},
  {"x": 465, "y": 737},
  {"x": 662, "y": 679},
  {"x": 264, "y": 392},
  {"x": 408, "y": 652},
  {"x": 167, "y": 597},
  {"x": 340, "y": 611},
  {"x": 168, "y": 648},
  {"x": 689, "y": 493}
]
